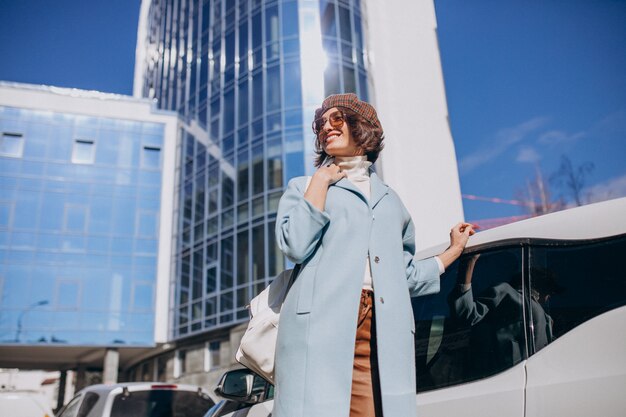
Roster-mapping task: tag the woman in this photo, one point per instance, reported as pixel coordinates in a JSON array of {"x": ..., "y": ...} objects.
[{"x": 345, "y": 341}]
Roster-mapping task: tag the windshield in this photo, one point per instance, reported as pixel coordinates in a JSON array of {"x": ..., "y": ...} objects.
[{"x": 161, "y": 403}]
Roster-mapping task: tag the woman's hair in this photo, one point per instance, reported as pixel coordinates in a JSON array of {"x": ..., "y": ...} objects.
[{"x": 366, "y": 136}]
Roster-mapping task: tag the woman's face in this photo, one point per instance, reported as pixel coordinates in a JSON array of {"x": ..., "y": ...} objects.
[{"x": 337, "y": 141}]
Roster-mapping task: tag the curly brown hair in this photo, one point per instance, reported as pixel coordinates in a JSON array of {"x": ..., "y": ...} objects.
[{"x": 366, "y": 136}]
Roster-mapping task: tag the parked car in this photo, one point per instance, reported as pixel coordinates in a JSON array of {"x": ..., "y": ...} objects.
[
  {"x": 540, "y": 333},
  {"x": 139, "y": 399},
  {"x": 240, "y": 388},
  {"x": 23, "y": 403}
]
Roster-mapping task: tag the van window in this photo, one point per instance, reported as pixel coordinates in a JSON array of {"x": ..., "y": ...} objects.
[
  {"x": 91, "y": 398},
  {"x": 575, "y": 283},
  {"x": 465, "y": 334},
  {"x": 71, "y": 409}
]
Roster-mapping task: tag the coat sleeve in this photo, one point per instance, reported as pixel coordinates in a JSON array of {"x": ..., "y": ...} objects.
[
  {"x": 299, "y": 224},
  {"x": 464, "y": 309},
  {"x": 422, "y": 275},
  {"x": 471, "y": 311}
]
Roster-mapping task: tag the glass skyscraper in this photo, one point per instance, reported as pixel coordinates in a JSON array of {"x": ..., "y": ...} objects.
[{"x": 245, "y": 77}]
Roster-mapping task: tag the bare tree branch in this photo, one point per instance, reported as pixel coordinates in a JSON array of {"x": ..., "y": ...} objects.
[{"x": 572, "y": 179}]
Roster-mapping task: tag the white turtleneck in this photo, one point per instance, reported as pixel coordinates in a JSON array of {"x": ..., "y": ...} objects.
[{"x": 357, "y": 172}]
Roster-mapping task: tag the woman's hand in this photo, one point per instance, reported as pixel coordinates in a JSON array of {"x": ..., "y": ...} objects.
[
  {"x": 459, "y": 236},
  {"x": 328, "y": 174},
  {"x": 324, "y": 177}
]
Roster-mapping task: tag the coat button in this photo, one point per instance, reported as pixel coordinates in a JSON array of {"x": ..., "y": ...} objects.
[
  {"x": 382, "y": 300},
  {"x": 376, "y": 259}
]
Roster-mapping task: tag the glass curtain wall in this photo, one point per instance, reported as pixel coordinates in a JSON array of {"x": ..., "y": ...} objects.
[
  {"x": 233, "y": 70},
  {"x": 79, "y": 211}
]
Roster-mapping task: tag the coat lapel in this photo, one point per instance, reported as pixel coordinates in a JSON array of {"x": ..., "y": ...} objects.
[
  {"x": 346, "y": 184},
  {"x": 378, "y": 187}
]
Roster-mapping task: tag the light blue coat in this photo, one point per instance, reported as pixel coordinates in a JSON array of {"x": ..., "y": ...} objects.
[{"x": 315, "y": 350}]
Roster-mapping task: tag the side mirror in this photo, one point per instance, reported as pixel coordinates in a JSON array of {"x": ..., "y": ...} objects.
[{"x": 241, "y": 385}]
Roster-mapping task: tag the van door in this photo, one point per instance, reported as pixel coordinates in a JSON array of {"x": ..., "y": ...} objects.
[
  {"x": 501, "y": 395},
  {"x": 583, "y": 373}
]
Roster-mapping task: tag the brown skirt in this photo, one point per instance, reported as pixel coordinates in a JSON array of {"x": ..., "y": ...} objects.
[{"x": 365, "y": 400}]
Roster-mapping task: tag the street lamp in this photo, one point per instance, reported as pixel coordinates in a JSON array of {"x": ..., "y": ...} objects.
[{"x": 23, "y": 313}]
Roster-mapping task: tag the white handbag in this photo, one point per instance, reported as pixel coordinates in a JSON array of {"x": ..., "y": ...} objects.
[
  {"x": 257, "y": 348},
  {"x": 258, "y": 344}
]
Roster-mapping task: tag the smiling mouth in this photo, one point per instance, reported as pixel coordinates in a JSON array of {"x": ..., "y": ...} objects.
[{"x": 331, "y": 136}]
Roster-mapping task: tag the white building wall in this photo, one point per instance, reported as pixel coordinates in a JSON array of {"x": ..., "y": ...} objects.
[
  {"x": 140, "y": 49},
  {"x": 419, "y": 159}
]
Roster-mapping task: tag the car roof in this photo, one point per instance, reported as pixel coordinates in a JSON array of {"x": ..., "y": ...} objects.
[
  {"x": 140, "y": 386},
  {"x": 592, "y": 221},
  {"x": 18, "y": 391}
]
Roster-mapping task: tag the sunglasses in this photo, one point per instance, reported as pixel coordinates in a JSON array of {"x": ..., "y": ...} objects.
[{"x": 336, "y": 120}]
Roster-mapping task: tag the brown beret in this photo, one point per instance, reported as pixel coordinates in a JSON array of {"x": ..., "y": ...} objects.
[{"x": 352, "y": 102}]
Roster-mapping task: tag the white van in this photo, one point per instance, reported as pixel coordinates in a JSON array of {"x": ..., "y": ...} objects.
[
  {"x": 541, "y": 329},
  {"x": 23, "y": 403}
]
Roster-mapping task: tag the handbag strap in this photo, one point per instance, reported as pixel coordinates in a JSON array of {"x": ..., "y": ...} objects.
[{"x": 294, "y": 274}]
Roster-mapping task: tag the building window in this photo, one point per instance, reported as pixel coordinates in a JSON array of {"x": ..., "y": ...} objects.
[
  {"x": 5, "y": 214},
  {"x": 180, "y": 365},
  {"x": 75, "y": 218},
  {"x": 161, "y": 367},
  {"x": 151, "y": 157},
  {"x": 212, "y": 356},
  {"x": 145, "y": 372},
  {"x": 147, "y": 224},
  {"x": 11, "y": 144},
  {"x": 84, "y": 151},
  {"x": 143, "y": 296},
  {"x": 68, "y": 294}
]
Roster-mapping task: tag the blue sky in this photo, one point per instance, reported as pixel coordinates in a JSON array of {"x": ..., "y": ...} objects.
[
  {"x": 526, "y": 81},
  {"x": 69, "y": 43}
]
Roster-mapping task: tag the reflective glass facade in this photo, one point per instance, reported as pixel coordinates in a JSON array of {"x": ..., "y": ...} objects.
[
  {"x": 245, "y": 76},
  {"x": 79, "y": 219}
]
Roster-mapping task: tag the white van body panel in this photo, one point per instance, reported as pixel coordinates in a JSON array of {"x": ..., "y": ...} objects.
[
  {"x": 501, "y": 395},
  {"x": 583, "y": 373},
  {"x": 586, "y": 222},
  {"x": 23, "y": 404}
]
